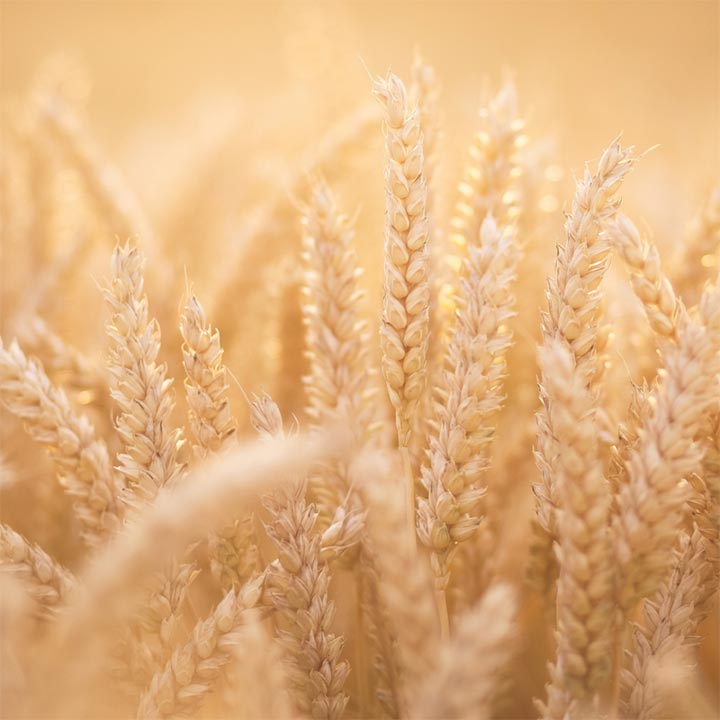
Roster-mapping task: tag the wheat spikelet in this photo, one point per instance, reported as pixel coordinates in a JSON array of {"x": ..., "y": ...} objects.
[
  {"x": 48, "y": 582},
  {"x": 670, "y": 619},
  {"x": 465, "y": 681},
  {"x": 404, "y": 332},
  {"x": 81, "y": 459},
  {"x": 139, "y": 386},
  {"x": 468, "y": 397},
  {"x": 573, "y": 313},
  {"x": 650, "y": 504},
  {"x": 585, "y": 585}
]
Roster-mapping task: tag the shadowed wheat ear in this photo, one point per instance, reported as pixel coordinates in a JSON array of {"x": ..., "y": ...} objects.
[
  {"x": 669, "y": 622},
  {"x": 574, "y": 304},
  {"x": 651, "y": 504},
  {"x": 233, "y": 548},
  {"x": 47, "y": 582},
  {"x": 406, "y": 297},
  {"x": 138, "y": 383},
  {"x": 297, "y": 587},
  {"x": 81, "y": 459},
  {"x": 337, "y": 386},
  {"x": 665, "y": 312},
  {"x": 490, "y": 178},
  {"x": 180, "y": 687},
  {"x": 469, "y": 395},
  {"x": 585, "y": 586}
]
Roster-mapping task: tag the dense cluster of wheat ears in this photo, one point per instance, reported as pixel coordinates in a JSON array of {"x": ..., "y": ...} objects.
[{"x": 358, "y": 557}]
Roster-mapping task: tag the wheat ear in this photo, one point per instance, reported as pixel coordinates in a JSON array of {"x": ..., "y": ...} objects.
[
  {"x": 48, "y": 583},
  {"x": 651, "y": 503},
  {"x": 81, "y": 459},
  {"x": 404, "y": 331},
  {"x": 464, "y": 683},
  {"x": 585, "y": 586},
  {"x": 405, "y": 588},
  {"x": 469, "y": 395},
  {"x": 669, "y": 621},
  {"x": 213, "y": 490},
  {"x": 336, "y": 336},
  {"x": 63, "y": 363},
  {"x": 297, "y": 587},
  {"x": 664, "y": 310},
  {"x": 180, "y": 687},
  {"x": 574, "y": 301},
  {"x": 233, "y": 549},
  {"x": 138, "y": 383},
  {"x": 489, "y": 180}
]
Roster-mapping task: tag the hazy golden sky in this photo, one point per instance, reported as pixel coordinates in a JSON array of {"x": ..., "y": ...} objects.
[{"x": 585, "y": 70}]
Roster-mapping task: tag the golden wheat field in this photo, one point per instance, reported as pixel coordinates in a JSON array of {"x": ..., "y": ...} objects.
[{"x": 359, "y": 360}]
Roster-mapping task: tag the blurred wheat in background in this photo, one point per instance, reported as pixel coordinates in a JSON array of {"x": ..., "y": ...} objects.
[{"x": 335, "y": 396}]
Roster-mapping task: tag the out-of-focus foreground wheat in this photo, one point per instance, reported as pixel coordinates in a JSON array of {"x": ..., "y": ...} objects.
[{"x": 244, "y": 476}]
